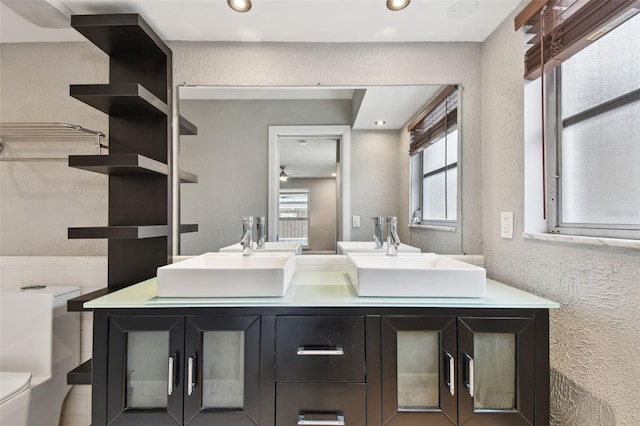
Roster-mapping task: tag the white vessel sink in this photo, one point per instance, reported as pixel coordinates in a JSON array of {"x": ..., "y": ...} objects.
[
  {"x": 228, "y": 275},
  {"x": 414, "y": 275},
  {"x": 345, "y": 247},
  {"x": 269, "y": 247}
]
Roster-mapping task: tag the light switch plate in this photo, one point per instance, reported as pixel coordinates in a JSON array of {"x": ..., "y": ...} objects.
[
  {"x": 506, "y": 225},
  {"x": 356, "y": 221}
]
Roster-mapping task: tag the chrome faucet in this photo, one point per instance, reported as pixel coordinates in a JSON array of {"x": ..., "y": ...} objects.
[
  {"x": 261, "y": 233},
  {"x": 378, "y": 222},
  {"x": 247, "y": 236},
  {"x": 393, "y": 241}
]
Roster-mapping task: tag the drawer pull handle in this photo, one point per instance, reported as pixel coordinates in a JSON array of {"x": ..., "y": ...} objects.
[
  {"x": 338, "y": 350},
  {"x": 171, "y": 374},
  {"x": 471, "y": 371},
  {"x": 452, "y": 374},
  {"x": 339, "y": 421},
  {"x": 191, "y": 384}
]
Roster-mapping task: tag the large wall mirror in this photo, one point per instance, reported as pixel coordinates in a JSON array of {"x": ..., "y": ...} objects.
[{"x": 337, "y": 161}]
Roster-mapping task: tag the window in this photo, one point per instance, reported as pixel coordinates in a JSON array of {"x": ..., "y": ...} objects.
[
  {"x": 434, "y": 151},
  {"x": 440, "y": 179},
  {"x": 293, "y": 222},
  {"x": 593, "y": 169}
]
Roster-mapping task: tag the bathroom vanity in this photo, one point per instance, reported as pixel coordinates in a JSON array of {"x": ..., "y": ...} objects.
[{"x": 320, "y": 355}]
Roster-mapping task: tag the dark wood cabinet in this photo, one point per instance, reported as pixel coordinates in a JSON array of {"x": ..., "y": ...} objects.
[
  {"x": 175, "y": 370},
  {"x": 144, "y": 371},
  {"x": 320, "y": 349},
  {"x": 419, "y": 355},
  {"x": 452, "y": 370},
  {"x": 222, "y": 371},
  {"x": 496, "y": 371},
  {"x": 317, "y": 404},
  {"x": 273, "y": 366}
]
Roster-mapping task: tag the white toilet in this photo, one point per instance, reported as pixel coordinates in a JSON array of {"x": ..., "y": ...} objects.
[{"x": 39, "y": 345}]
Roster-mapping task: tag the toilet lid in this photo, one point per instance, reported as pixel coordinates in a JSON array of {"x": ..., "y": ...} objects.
[{"x": 11, "y": 384}]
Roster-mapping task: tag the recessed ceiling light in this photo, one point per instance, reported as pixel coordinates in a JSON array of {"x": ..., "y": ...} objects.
[
  {"x": 396, "y": 5},
  {"x": 380, "y": 123},
  {"x": 240, "y": 5},
  {"x": 302, "y": 142},
  {"x": 333, "y": 174},
  {"x": 463, "y": 9}
]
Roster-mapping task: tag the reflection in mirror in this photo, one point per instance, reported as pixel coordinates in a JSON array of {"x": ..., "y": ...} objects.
[
  {"x": 238, "y": 175},
  {"x": 314, "y": 157},
  {"x": 293, "y": 214}
]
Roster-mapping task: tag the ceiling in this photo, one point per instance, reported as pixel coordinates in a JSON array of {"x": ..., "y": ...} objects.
[
  {"x": 324, "y": 21},
  {"x": 308, "y": 157},
  {"x": 374, "y": 101}
]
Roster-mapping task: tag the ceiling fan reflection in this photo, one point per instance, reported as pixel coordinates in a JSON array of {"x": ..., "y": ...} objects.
[{"x": 285, "y": 176}]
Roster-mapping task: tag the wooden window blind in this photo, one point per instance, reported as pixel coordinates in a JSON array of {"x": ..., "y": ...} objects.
[
  {"x": 560, "y": 28},
  {"x": 438, "y": 117}
]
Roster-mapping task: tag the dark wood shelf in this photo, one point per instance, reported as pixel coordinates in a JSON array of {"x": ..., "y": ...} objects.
[
  {"x": 81, "y": 375},
  {"x": 118, "y": 164},
  {"x": 119, "y": 34},
  {"x": 186, "y": 177},
  {"x": 131, "y": 232},
  {"x": 187, "y": 128},
  {"x": 125, "y": 164},
  {"x": 127, "y": 232},
  {"x": 186, "y": 228},
  {"x": 119, "y": 99}
]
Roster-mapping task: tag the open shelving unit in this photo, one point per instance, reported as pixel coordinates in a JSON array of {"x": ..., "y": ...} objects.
[{"x": 138, "y": 100}]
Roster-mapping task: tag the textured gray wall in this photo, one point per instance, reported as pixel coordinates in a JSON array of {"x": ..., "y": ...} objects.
[
  {"x": 594, "y": 335},
  {"x": 39, "y": 201},
  {"x": 229, "y": 155}
]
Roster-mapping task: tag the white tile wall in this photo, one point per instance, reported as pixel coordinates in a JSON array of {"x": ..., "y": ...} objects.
[{"x": 89, "y": 273}]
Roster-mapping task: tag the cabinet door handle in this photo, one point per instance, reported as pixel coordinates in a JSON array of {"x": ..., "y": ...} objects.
[
  {"x": 470, "y": 369},
  {"x": 337, "y": 350},
  {"x": 452, "y": 374},
  {"x": 171, "y": 374},
  {"x": 339, "y": 421},
  {"x": 191, "y": 384}
]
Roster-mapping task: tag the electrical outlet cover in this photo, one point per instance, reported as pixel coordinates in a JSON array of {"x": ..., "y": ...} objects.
[{"x": 506, "y": 225}]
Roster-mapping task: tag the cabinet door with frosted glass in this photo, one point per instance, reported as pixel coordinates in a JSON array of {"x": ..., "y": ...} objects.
[
  {"x": 222, "y": 371},
  {"x": 418, "y": 370},
  {"x": 496, "y": 371},
  {"x": 144, "y": 371}
]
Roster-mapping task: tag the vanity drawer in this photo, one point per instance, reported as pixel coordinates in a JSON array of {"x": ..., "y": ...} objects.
[
  {"x": 321, "y": 404},
  {"x": 320, "y": 349}
]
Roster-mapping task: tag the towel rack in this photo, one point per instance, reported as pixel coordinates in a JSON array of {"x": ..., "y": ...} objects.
[{"x": 45, "y": 132}]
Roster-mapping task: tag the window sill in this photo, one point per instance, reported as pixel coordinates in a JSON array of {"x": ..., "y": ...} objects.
[
  {"x": 433, "y": 227},
  {"x": 576, "y": 239}
]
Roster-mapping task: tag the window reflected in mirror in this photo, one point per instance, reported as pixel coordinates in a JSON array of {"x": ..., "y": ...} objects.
[{"x": 293, "y": 218}]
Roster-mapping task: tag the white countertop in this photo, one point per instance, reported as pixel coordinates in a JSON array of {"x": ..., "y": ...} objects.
[{"x": 320, "y": 289}]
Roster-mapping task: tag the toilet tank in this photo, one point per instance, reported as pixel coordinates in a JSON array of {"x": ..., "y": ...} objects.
[{"x": 37, "y": 334}]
